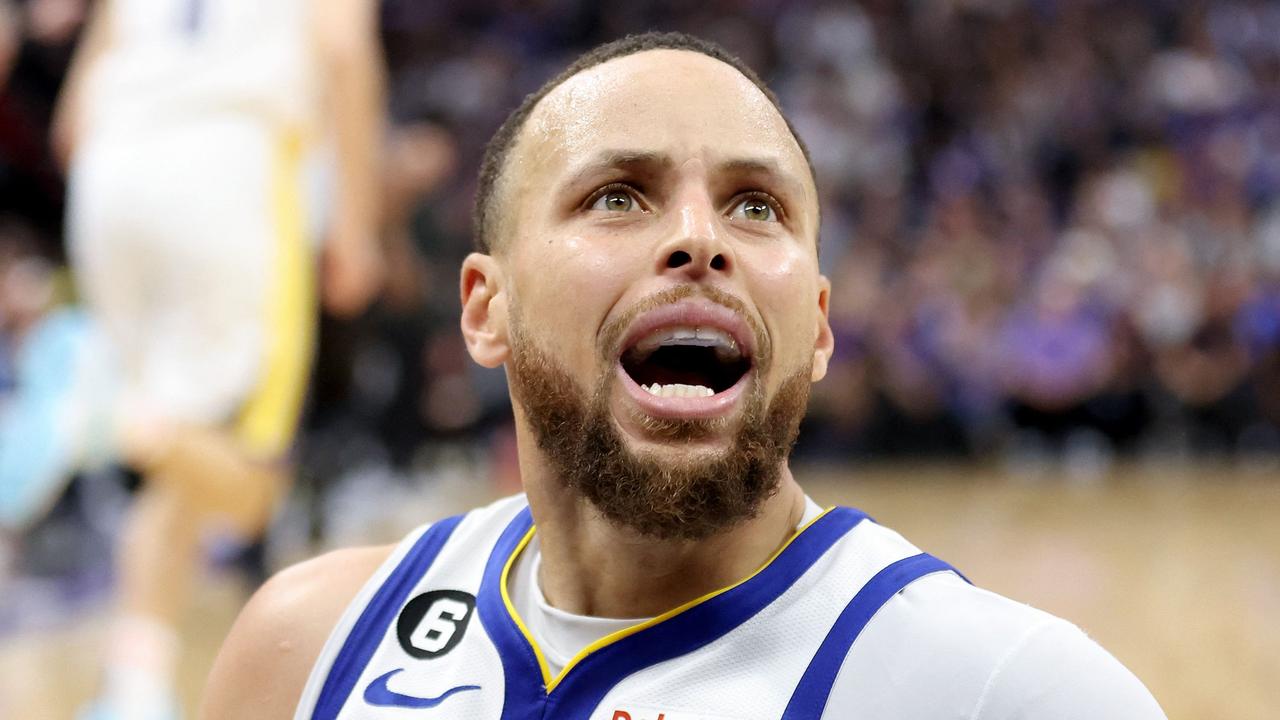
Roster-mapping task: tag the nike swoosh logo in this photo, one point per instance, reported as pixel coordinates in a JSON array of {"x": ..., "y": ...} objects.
[{"x": 378, "y": 694}]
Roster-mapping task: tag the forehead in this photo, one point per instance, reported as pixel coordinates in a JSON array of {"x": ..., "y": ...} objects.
[{"x": 679, "y": 103}]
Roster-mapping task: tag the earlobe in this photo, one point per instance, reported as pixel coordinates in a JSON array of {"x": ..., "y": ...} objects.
[
  {"x": 484, "y": 310},
  {"x": 824, "y": 344}
]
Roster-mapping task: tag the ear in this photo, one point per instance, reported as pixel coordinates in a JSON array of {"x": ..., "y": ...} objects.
[
  {"x": 824, "y": 345},
  {"x": 484, "y": 310}
]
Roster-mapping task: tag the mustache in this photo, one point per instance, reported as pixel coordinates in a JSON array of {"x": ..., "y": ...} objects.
[{"x": 613, "y": 331}]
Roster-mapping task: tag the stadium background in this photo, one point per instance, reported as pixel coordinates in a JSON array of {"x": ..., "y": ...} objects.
[{"x": 1053, "y": 232}]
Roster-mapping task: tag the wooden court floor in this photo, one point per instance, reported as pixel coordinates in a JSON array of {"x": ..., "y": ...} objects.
[{"x": 1176, "y": 570}]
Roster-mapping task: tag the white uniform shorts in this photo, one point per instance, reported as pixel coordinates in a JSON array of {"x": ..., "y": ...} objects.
[{"x": 189, "y": 247}]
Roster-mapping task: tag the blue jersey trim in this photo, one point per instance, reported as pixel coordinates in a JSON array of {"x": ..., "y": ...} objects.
[
  {"x": 582, "y": 689},
  {"x": 810, "y": 697},
  {"x": 369, "y": 629},
  {"x": 524, "y": 693}
]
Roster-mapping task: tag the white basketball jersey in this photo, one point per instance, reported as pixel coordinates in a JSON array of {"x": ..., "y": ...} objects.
[
  {"x": 434, "y": 635},
  {"x": 174, "y": 60}
]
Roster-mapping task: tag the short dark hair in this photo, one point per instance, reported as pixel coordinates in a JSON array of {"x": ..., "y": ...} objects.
[{"x": 495, "y": 153}]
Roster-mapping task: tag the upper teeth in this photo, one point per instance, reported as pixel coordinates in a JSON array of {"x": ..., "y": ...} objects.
[
  {"x": 679, "y": 390},
  {"x": 725, "y": 346}
]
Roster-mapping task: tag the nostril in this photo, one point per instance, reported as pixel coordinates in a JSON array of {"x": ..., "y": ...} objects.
[
  {"x": 717, "y": 262},
  {"x": 678, "y": 258}
]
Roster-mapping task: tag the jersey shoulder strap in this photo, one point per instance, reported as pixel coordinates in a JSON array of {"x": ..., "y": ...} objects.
[
  {"x": 358, "y": 635},
  {"x": 809, "y": 699},
  {"x": 366, "y": 634}
]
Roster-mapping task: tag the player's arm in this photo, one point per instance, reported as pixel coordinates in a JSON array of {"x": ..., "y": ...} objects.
[
  {"x": 353, "y": 77},
  {"x": 264, "y": 663},
  {"x": 66, "y": 127},
  {"x": 1057, "y": 672},
  {"x": 943, "y": 643}
]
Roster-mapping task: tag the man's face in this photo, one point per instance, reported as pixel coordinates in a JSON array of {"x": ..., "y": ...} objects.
[{"x": 658, "y": 244}]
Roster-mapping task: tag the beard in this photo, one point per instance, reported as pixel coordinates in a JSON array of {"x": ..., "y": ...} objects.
[{"x": 686, "y": 498}]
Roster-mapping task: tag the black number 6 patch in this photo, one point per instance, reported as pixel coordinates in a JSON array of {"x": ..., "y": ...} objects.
[{"x": 433, "y": 623}]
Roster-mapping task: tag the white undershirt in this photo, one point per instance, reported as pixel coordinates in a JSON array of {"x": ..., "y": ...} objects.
[{"x": 560, "y": 634}]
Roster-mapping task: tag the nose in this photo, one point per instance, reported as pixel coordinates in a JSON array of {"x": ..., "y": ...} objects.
[{"x": 697, "y": 247}]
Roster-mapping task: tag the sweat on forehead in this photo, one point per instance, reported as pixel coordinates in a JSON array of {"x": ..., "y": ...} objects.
[{"x": 581, "y": 97}]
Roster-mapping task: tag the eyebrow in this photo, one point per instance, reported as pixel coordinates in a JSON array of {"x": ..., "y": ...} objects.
[
  {"x": 652, "y": 161},
  {"x": 767, "y": 167},
  {"x": 619, "y": 160}
]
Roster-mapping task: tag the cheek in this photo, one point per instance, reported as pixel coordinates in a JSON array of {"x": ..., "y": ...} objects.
[
  {"x": 594, "y": 265},
  {"x": 567, "y": 286},
  {"x": 784, "y": 286},
  {"x": 580, "y": 277}
]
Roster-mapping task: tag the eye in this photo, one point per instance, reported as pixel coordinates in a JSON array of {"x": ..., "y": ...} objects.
[
  {"x": 616, "y": 198},
  {"x": 758, "y": 207}
]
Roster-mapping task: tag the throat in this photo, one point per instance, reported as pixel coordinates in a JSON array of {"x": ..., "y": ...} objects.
[
  {"x": 559, "y": 634},
  {"x": 601, "y": 571}
]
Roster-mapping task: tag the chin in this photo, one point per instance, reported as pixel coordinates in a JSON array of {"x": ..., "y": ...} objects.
[
  {"x": 672, "y": 454},
  {"x": 677, "y": 434}
]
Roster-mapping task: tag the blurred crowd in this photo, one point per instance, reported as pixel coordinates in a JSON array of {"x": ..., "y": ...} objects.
[{"x": 1052, "y": 227}]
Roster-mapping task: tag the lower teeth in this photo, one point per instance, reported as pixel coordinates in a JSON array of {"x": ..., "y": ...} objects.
[{"x": 678, "y": 390}]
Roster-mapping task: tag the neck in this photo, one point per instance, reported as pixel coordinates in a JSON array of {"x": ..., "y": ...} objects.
[{"x": 592, "y": 566}]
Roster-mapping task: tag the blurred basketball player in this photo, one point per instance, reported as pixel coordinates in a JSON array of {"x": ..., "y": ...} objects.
[
  {"x": 648, "y": 275},
  {"x": 185, "y": 124}
]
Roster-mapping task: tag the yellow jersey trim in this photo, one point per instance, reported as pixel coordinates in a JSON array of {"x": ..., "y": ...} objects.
[
  {"x": 511, "y": 608},
  {"x": 268, "y": 420}
]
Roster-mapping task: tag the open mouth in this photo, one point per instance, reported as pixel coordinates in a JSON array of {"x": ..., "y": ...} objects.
[{"x": 686, "y": 361}]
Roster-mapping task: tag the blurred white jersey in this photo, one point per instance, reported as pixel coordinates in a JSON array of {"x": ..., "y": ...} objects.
[
  {"x": 188, "y": 216},
  {"x": 847, "y": 620},
  {"x": 171, "y": 60}
]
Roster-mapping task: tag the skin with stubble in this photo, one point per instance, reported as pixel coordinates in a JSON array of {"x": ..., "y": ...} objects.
[{"x": 652, "y": 179}]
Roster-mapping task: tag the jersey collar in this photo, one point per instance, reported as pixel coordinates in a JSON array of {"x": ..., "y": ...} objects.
[{"x": 604, "y": 663}]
